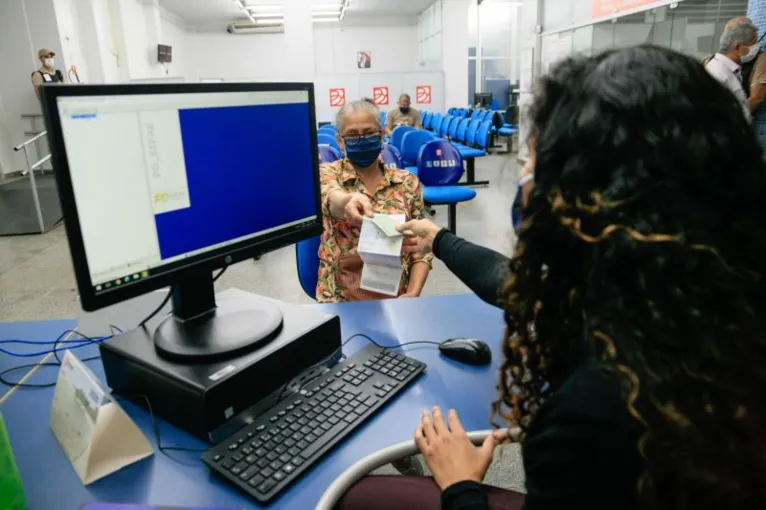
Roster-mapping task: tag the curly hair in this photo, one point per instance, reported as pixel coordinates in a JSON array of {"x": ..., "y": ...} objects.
[{"x": 644, "y": 249}]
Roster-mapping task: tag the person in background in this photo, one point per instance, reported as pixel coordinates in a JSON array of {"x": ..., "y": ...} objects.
[
  {"x": 403, "y": 115},
  {"x": 739, "y": 42},
  {"x": 634, "y": 353},
  {"x": 47, "y": 72},
  {"x": 354, "y": 188}
]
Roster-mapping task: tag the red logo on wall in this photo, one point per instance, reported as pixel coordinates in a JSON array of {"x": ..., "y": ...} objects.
[
  {"x": 380, "y": 95},
  {"x": 337, "y": 97},
  {"x": 423, "y": 94}
]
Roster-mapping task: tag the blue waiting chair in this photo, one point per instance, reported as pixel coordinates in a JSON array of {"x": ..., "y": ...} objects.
[
  {"x": 383, "y": 117},
  {"x": 411, "y": 144},
  {"x": 328, "y": 153},
  {"x": 328, "y": 127},
  {"x": 427, "y": 119},
  {"x": 307, "y": 251},
  {"x": 324, "y": 138},
  {"x": 398, "y": 134},
  {"x": 436, "y": 121},
  {"x": 440, "y": 168},
  {"x": 307, "y": 259},
  {"x": 327, "y": 131},
  {"x": 469, "y": 153},
  {"x": 483, "y": 135},
  {"x": 392, "y": 158},
  {"x": 451, "y": 111},
  {"x": 452, "y": 131},
  {"x": 444, "y": 128}
]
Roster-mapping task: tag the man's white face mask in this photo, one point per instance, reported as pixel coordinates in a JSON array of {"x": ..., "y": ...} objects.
[
  {"x": 751, "y": 54},
  {"x": 48, "y": 62}
]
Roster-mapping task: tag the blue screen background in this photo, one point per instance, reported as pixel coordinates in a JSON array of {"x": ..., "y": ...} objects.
[{"x": 249, "y": 168}]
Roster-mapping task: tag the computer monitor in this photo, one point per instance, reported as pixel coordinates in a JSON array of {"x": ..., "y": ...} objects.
[
  {"x": 162, "y": 184},
  {"x": 483, "y": 99}
]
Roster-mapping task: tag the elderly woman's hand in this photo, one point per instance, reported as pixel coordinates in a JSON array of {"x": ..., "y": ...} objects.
[
  {"x": 419, "y": 235},
  {"x": 450, "y": 455},
  {"x": 357, "y": 208}
]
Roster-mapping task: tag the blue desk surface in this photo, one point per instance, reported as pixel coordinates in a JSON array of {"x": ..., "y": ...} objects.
[{"x": 51, "y": 482}]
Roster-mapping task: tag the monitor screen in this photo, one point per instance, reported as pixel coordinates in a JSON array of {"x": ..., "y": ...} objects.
[{"x": 162, "y": 180}]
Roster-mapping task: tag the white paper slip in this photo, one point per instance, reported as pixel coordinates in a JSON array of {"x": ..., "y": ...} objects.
[
  {"x": 381, "y": 254},
  {"x": 388, "y": 223}
]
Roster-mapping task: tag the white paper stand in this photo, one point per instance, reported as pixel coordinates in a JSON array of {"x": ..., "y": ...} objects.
[{"x": 96, "y": 434}]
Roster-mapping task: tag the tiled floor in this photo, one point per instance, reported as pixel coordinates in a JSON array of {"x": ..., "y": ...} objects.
[{"x": 37, "y": 281}]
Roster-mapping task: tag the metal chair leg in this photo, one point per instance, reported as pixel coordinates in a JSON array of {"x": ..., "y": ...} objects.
[{"x": 452, "y": 218}]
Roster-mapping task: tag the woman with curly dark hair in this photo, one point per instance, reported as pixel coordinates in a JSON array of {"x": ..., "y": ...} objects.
[{"x": 635, "y": 351}]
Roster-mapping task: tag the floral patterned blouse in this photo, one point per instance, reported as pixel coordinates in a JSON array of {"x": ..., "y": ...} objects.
[{"x": 340, "y": 266}]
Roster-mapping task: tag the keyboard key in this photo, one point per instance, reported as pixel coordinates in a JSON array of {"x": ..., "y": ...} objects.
[
  {"x": 290, "y": 407},
  {"x": 276, "y": 465},
  {"x": 337, "y": 386},
  {"x": 333, "y": 419},
  {"x": 298, "y": 402},
  {"x": 401, "y": 377},
  {"x": 387, "y": 388},
  {"x": 295, "y": 427},
  {"x": 227, "y": 464},
  {"x": 246, "y": 450},
  {"x": 256, "y": 444},
  {"x": 326, "y": 425},
  {"x": 356, "y": 382},
  {"x": 348, "y": 378},
  {"x": 343, "y": 402},
  {"x": 289, "y": 442},
  {"x": 362, "y": 409},
  {"x": 294, "y": 451},
  {"x": 280, "y": 449},
  {"x": 323, "y": 439},
  {"x": 341, "y": 414},
  {"x": 283, "y": 424},
  {"x": 273, "y": 419},
  {"x": 255, "y": 481},
  {"x": 266, "y": 486},
  {"x": 393, "y": 373},
  {"x": 312, "y": 415},
  {"x": 250, "y": 435},
  {"x": 270, "y": 445},
  {"x": 297, "y": 461},
  {"x": 285, "y": 458},
  {"x": 355, "y": 391},
  {"x": 303, "y": 444},
  {"x": 384, "y": 371},
  {"x": 260, "y": 428},
  {"x": 331, "y": 412},
  {"x": 237, "y": 457},
  {"x": 297, "y": 436},
  {"x": 262, "y": 463},
  {"x": 271, "y": 455},
  {"x": 273, "y": 432},
  {"x": 239, "y": 468},
  {"x": 289, "y": 468},
  {"x": 279, "y": 476},
  {"x": 242, "y": 440},
  {"x": 288, "y": 420},
  {"x": 368, "y": 363},
  {"x": 260, "y": 452},
  {"x": 217, "y": 457},
  {"x": 372, "y": 402},
  {"x": 251, "y": 459},
  {"x": 332, "y": 399},
  {"x": 248, "y": 473},
  {"x": 233, "y": 447},
  {"x": 267, "y": 472},
  {"x": 265, "y": 437},
  {"x": 307, "y": 429}
]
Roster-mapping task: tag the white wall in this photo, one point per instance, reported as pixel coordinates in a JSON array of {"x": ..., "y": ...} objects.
[{"x": 263, "y": 57}]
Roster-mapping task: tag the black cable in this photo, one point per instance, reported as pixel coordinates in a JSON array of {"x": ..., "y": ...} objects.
[
  {"x": 57, "y": 363},
  {"x": 156, "y": 430},
  {"x": 170, "y": 294},
  {"x": 362, "y": 335}
]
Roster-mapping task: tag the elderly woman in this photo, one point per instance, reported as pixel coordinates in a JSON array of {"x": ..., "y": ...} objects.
[{"x": 358, "y": 186}]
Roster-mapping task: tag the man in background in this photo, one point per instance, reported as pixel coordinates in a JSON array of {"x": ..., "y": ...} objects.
[
  {"x": 403, "y": 115},
  {"x": 739, "y": 42},
  {"x": 47, "y": 72}
]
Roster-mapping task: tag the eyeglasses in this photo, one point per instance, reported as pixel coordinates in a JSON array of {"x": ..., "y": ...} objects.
[{"x": 355, "y": 139}]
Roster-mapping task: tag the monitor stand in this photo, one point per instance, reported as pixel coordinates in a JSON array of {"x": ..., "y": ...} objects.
[{"x": 200, "y": 329}]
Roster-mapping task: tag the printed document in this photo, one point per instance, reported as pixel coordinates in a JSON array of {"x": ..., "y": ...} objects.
[{"x": 381, "y": 254}]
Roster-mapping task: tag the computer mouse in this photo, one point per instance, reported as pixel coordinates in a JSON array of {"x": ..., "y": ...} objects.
[{"x": 470, "y": 351}]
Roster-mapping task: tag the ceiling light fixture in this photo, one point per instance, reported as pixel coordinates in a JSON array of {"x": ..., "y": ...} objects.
[
  {"x": 343, "y": 9},
  {"x": 243, "y": 8}
]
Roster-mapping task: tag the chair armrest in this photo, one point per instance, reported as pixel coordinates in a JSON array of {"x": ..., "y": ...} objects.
[{"x": 343, "y": 483}]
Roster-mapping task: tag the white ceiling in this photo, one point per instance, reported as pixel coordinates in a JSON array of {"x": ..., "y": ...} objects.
[{"x": 214, "y": 12}]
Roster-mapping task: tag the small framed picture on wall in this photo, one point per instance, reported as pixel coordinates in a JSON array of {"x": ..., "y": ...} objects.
[{"x": 363, "y": 59}]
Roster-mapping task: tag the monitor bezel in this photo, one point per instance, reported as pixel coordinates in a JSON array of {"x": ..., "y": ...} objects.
[{"x": 92, "y": 300}]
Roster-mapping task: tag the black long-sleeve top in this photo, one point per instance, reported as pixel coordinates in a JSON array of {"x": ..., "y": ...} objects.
[
  {"x": 481, "y": 269},
  {"x": 581, "y": 449}
]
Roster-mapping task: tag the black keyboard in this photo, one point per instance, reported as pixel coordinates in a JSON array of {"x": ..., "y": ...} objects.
[{"x": 267, "y": 455}]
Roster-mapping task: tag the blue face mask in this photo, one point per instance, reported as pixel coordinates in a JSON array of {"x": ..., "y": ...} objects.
[
  {"x": 404, "y": 109},
  {"x": 364, "y": 152}
]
